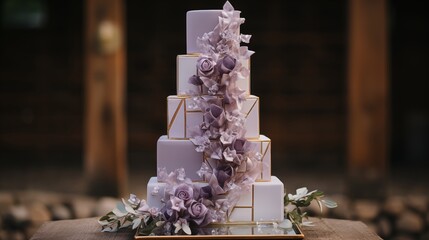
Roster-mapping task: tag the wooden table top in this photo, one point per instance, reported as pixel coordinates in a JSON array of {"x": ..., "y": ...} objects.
[{"x": 88, "y": 229}]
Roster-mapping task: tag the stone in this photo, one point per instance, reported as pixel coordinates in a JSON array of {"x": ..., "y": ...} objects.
[
  {"x": 48, "y": 198},
  {"x": 384, "y": 227},
  {"x": 16, "y": 217},
  {"x": 409, "y": 222},
  {"x": 105, "y": 205},
  {"x": 394, "y": 206},
  {"x": 83, "y": 207},
  {"x": 6, "y": 201},
  {"x": 60, "y": 212},
  {"x": 418, "y": 203},
  {"x": 343, "y": 210},
  {"x": 366, "y": 210},
  {"x": 39, "y": 213}
]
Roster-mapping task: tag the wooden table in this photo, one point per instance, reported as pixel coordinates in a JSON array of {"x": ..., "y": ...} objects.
[{"x": 88, "y": 229}]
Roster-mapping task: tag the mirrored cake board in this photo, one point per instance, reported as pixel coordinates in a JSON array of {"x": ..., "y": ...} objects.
[{"x": 235, "y": 231}]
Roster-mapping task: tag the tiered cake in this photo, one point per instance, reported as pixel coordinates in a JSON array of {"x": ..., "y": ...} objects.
[{"x": 213, "y": 127}]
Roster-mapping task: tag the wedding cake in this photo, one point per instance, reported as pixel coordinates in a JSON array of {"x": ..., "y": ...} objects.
[{"x": 214, "y": 166}]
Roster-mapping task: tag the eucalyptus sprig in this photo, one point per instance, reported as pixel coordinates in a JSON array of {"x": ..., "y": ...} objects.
[{"x": 303, "y": 198}]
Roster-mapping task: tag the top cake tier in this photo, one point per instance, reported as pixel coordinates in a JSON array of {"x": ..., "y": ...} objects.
[{"x": 199, "y": 22}]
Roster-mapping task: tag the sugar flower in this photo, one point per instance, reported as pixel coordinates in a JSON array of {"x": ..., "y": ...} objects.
[
  {"x": 177, "y": 204},
  {"x": 197, "y": 212},
  {"x": 184, "y": 192},
  {"x": 226, "y": 64},
  {"x": 206, "y": 66}
]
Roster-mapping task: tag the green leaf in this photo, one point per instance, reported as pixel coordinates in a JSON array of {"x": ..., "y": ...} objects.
[
  {"x": 148, "y": 228},
  {"x": 186, "y": 229},
  {"x": 329, "y": 203}
]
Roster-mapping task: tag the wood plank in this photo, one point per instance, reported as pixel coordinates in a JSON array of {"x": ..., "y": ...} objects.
[
  {"x": 367, "y": 96},
  {"x": 105, "y": 142}
]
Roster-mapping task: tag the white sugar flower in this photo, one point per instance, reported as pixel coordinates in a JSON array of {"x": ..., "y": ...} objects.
[
  {"x": 300, "y": 193},
  {"x": 182, "y": 224}
]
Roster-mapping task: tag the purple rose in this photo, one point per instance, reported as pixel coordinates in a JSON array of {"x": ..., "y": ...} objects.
[
  {"x": 195, "y": 80},
  {"x": 184, "y": 192},
  {"x": 223, "y": 174},
  {"x": 205, "y": 66},
  {"x": 214, "y": 116},
  {"x": 226, "y": 64},
  {"x": 197, "y": 212},
  {"x": 239, "y": 145}
]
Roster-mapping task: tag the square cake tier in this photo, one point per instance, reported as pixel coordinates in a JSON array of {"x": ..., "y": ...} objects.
[
  {"x": 173, "y": 154},
  {"x": 263, "y": 203},
  {"x": 187, "y": 66},
  {"x": 182, "y": 115}
]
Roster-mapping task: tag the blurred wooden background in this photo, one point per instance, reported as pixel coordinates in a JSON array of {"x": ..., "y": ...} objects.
[{"x": 299, "y": 71}]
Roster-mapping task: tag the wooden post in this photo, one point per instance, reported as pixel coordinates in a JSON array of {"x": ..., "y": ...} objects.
[
  {"x": 367, "y": 98},
  {"x": 105, "y": 142}
]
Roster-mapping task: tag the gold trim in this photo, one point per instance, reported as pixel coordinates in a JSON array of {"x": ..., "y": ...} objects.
[
  {"x": 253, "y": 202},
  {"x": 174, "y": 116},
  {"x": 184, "y": 118},
  {"x": 241, "y": 207},
  {"x": 262, "y": 180},
  {"x": 174, "y": 138},
  {"x": 256, "y": 101},
  {"x": 263, "y": 157}
]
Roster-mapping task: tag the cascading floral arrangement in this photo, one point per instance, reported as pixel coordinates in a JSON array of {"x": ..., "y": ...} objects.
[{"x": 231, "y": 162}]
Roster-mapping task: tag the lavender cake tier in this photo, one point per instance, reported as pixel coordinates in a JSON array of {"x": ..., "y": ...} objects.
[
  {"x": 187, "y": 66},
  {"x": 173, "y": 154},
  {"x": 183, "y": 114},
  {"x": 263, "y": 203},
  {"x": 199, "y": 22}
]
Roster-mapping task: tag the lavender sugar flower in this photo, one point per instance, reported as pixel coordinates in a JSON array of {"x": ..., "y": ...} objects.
[
  {"x": 206, "y": 66},
  {"x": 184, "y": 192}
]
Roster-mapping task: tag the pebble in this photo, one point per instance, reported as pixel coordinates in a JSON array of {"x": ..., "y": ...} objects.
[
  {"x": 17, "y": 217},
  {"x": 409, "y": 222},
  {"x": 60, "y": 212},
  {"x": 418, "y": 203},
  {"x": 105, "y": 205},
  {"x": 366, "y": 210},
  {"x": 394, "y": 205},
  {"x": 39, "y": 213},
  {"x": 6, "y": 201},
  {"x": 48, "y": 198}
]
